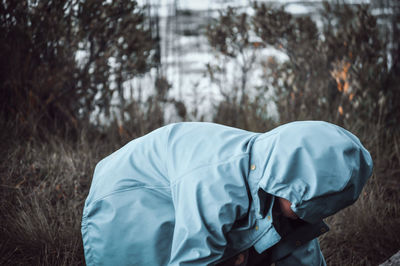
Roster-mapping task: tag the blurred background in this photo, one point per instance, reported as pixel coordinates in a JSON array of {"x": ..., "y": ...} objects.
[{"x": 81, "y": 78}]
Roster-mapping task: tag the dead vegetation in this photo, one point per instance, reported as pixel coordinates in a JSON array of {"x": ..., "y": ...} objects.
[{"x": 48, "y": 156}]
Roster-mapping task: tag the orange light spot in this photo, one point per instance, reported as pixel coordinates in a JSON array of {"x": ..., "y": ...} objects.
[
  {"x": 339, "y": 73},
  {"x": 351, "y": 96},
  {"x": 256, "y": 44},
  {"x": 346, "y": 87},
  {"x": 346, "y": 67},
  {"x": 340, "y": 109},
  {"x": 339, "y": 86}
]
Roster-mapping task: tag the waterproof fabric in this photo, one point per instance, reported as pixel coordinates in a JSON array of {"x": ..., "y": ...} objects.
[{"x": 199, "y": 193}]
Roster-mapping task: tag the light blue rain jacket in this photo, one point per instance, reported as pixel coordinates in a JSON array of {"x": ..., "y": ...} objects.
[{"x": 199, "y": 193}]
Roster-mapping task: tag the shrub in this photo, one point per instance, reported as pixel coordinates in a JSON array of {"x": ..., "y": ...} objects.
[{"x": 62, "y": 60}]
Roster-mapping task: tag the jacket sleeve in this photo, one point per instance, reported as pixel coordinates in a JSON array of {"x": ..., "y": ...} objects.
[
  {"x": 308, "y": 254},
  {"x": 205, "y": 210}
]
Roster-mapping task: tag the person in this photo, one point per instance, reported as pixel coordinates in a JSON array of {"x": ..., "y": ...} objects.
[{"x": 196, "y": 193}]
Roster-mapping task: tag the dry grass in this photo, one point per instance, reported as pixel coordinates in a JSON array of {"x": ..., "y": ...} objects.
[
  {"x": 44, "y": 183},
  {"x": 367, "y": 232},
  {"x": 43, "y": 187}
]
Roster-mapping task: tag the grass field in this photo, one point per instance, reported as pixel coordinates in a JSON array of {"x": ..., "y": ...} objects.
[{"x": 45, "y": 179}]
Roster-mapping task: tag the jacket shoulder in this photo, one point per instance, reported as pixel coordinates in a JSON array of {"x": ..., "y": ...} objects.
[{"x": 197, "y": 144}]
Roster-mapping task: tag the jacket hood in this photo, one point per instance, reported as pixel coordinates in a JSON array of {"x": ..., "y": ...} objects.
[{"x": 319, "y": 167}]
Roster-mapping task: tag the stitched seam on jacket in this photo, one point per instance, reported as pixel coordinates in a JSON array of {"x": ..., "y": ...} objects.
[
  {"x": 125, "y": 190},
  {"x": 259, "y": 138}
]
